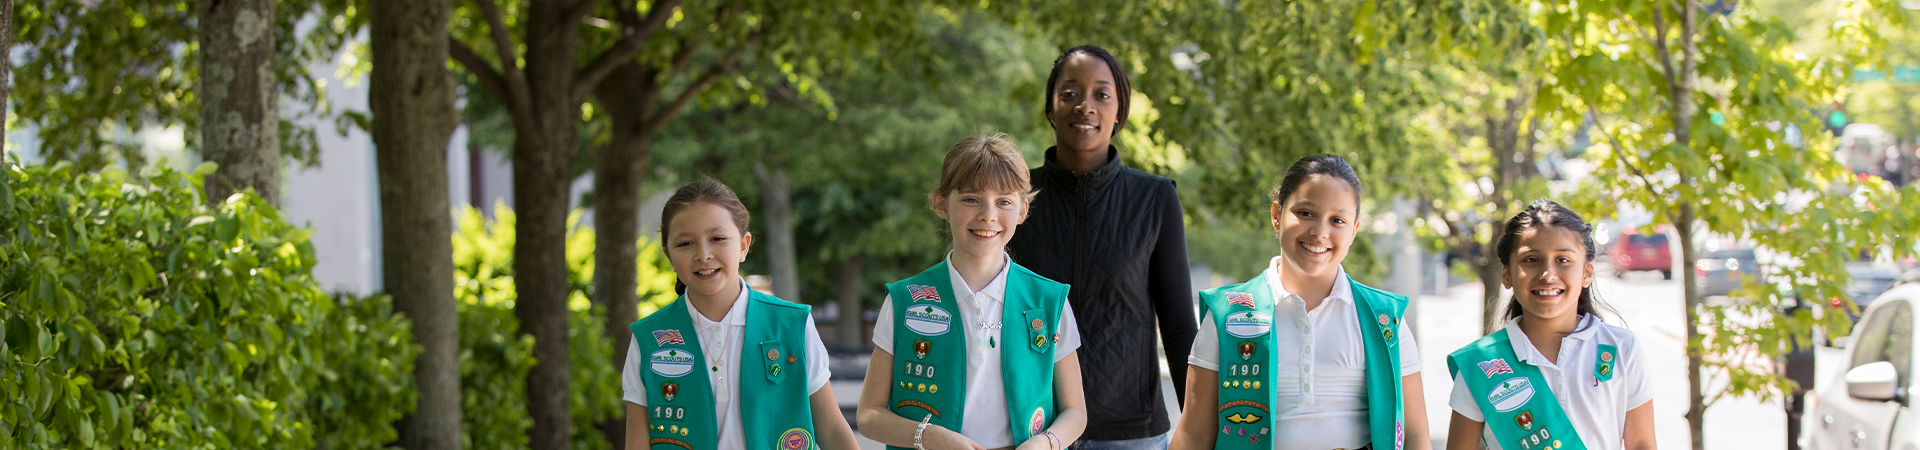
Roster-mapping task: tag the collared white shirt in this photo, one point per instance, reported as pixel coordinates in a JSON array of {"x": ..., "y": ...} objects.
[
  {"x": 1597, "y": 409},
  {"x": 1320, "y": 373},
  {"x": 986, "y": 420},
  {"x": 721, "y": 347}
]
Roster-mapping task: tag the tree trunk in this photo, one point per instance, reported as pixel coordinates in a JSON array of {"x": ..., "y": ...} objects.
[
  {"x": 239, "y": 111},
  {"x": 1487, "y": 267},
  {"x": 543, "y": 152},
  {"x": 777, "y": 204},
  {"x": 412, "y": 98},
  {"x": 6, "y": 54},
  {"x": 852, "y": 322},
  {"x": 619, "y": 169},
  {"x": 1680, "y": 99}
]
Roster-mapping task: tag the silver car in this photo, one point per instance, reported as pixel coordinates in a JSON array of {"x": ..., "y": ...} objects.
[{"x": 1868, "y": 406}]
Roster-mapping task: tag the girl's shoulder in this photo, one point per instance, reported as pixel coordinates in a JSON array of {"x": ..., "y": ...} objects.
[{"x": 1604, "y": 333}]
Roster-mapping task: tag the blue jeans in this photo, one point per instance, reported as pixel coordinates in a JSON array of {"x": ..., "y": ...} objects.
[{"x": 1153, "y": 443}]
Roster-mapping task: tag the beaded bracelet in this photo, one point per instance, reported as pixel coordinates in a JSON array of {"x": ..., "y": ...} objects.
[{"x": 920, "y": 430}]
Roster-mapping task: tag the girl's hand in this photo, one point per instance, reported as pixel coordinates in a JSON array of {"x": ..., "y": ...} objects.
[
  {"x": 940, "y": 438},
  {"x": 1039, "y": 442}
]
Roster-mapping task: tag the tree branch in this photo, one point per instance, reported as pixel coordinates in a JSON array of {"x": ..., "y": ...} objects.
[
  {"x": 638, "y": 34},
  {"x": 518, "y": 95},
  {"x": 685, "y": 57},
  {"x": 1621, "y": 155},
  {"x": 713, "y": 72},
  {"x": 584, "y": 7},
  {"x": 489, "y": 78}
]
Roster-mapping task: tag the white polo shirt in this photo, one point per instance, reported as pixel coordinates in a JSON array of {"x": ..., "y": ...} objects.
[
  {"x": 986, "y": 419},
  {"x": 722, "y": 350},
  {"x": 1320, "y": 381},
  {"x": 1598, "y": 410}
]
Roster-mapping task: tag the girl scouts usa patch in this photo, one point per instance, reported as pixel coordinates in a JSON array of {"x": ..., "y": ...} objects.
[
  {"x": 1249, "y": 324},
  {"x": 671, "y": 362},
  {"x": 928, "y": 320}
]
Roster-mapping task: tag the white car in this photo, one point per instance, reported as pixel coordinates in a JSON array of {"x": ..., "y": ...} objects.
[{"x": 1869, "y": 405}]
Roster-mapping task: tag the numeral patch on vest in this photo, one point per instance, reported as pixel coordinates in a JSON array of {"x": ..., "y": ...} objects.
[
  {"x": 668, "y": 413},
  {"x": 919, "y": 370},
  {"x": 1243, "y": 370},
  {"x": 1539, "y": 439}
]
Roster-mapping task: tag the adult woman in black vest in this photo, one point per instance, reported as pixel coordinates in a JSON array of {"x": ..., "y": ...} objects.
[{"x": 1115, "y": 235}]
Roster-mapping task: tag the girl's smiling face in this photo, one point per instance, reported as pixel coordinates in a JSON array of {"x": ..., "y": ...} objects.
[
  {"x": 706, "y": 248},
  {"x": 1548, "y": 271},
  {"x": 1316, "y": 225},
  {"x": 981, "y": 222}
]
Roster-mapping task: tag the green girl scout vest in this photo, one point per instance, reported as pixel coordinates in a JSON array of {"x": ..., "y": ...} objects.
[
  {"x": 1518, "y": 406},
  {"x": 930, "y": 349},
  {"x": 1243, "y": 317},
  {"x": 776, "y": 412}
]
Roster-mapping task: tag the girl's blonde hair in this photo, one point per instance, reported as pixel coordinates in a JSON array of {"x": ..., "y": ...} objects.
[{"x": 984, "y": 163}]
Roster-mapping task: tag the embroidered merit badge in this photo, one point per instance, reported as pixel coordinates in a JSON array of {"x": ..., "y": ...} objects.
[
  {"x": 664, "y": 337},
  {"x": 1496, "y": 366},
  {"x": 669, "y": 390},
  {"x": 1249, "y": 324},
  {"x": 1524, "y": 420},
  {"x": 1511, "y": 394},
  {"x": 1240, "y": 298},
  {"x": 1246, "y": 350},
  {"x": 1039, "y": 419},
  {"x": 670, "y": 362},
  {"x": 1243, "y": 418},
  {"x": 928, "y": 320},
  {"x": 927, "y": 293},
  {"x": 921, "y": 347},
  {"x": 795, "y": 439}
]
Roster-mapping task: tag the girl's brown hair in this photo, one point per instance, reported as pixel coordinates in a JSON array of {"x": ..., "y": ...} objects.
[
  {"x": 705, "y": 190},
  {"x": 984, "y": 163}
]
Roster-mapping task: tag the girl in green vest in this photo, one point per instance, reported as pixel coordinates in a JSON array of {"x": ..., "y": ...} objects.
[
  {"x": 976, "y": 352},
  {"x": 1301, "y": 356},
  {"x": 724, "y": 366},
  {"x": 1556, "y": 378}
]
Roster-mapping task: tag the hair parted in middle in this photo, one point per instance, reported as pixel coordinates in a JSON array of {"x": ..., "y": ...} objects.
[{"x": 985, "y": 163}]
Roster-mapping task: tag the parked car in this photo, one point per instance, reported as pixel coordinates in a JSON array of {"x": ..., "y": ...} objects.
[
  {"x": 1869, "y": 405},
  {"x": 1721, "y": 271},
  {"x": 1869, "y": 281},
  {"x": 1634, "y": 251}
]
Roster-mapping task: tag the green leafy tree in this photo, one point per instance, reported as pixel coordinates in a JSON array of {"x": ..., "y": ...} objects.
[
  {"x": 495, "y": 357},
  {"x": 136, "y": 315},
  {"x": 89, "y": 69},
  {"x": 1691, "y": 107}
]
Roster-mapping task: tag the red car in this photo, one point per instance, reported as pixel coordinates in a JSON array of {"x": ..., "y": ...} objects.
[{"x": 1634, "y": 251}]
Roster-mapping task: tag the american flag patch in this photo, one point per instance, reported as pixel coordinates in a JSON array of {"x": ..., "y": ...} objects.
[
  {"x": 1240, "y": 298},
  {"x": 664, "y": 337},
  {"x": 1497, "y": 365},
  {"x": 923, "y": 293}
]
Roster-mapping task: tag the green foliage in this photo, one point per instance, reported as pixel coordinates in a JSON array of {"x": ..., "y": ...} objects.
[
  {"x": 91, "y": 72},
  {"x": 1734, "y": 177},
  {"x": 976, "y": 76},
  {"x": 495, "y": 356},
  {"x": 134, "y": 315}
]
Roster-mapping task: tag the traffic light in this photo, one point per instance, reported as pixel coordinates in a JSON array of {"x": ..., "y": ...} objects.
[{"x": 1836, "y": 121}]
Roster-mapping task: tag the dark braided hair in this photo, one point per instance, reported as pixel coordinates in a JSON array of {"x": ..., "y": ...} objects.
[
  {"x": 1123, "y": 89},
  {"x": 1538, "y": 215}
]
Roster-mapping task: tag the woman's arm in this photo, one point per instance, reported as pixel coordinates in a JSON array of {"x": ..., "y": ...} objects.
[
  {"x": 1170, "y": 287},
  {"x": 829, "y": 427},
  {"x": 1070, "y": 406},
  {"x": 1196, "y": 430},
  {"x": 880, "y": 424},
  {"x": 1639, "y": 429},
  {"x": 1463, "y": 433},
  {"x": 1414, "y": 401},
  {"x": 637, "y": 436}
]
